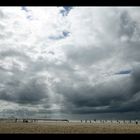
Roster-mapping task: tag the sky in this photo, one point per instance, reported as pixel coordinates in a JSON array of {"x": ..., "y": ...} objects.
[{"x": 70, "y": 62}]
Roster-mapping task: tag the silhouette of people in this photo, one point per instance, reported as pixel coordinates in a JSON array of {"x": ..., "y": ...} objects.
[{"x": 16, "y": 120}]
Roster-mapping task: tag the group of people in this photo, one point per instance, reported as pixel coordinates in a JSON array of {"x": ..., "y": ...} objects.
[{"x": 106, "y": 121}]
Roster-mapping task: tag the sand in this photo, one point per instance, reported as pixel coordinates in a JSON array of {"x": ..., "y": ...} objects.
[{"x": 68, "y": 128}]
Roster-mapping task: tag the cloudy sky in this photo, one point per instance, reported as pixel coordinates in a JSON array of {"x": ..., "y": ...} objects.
[{"x": 70, "y": 62}]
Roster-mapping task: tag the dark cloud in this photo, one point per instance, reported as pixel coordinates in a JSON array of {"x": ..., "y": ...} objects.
[
  {"x": 114, "y": 96},
  {"x": 104, "y": 94},
  {"x": 120, "y": 95},
  {"x": 33, "y": 91}
]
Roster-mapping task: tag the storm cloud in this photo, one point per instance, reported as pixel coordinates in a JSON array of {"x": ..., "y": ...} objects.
[{"x": 74, "y": 62}]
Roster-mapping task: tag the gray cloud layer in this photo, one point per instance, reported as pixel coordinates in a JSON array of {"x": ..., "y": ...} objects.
[{"x": 75, "y": 76}]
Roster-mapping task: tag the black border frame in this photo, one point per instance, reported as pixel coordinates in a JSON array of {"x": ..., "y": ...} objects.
[{"x": 69, "y": 2}]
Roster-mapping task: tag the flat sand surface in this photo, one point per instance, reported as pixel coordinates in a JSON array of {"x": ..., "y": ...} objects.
[{"x": 67, "y": 128}]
